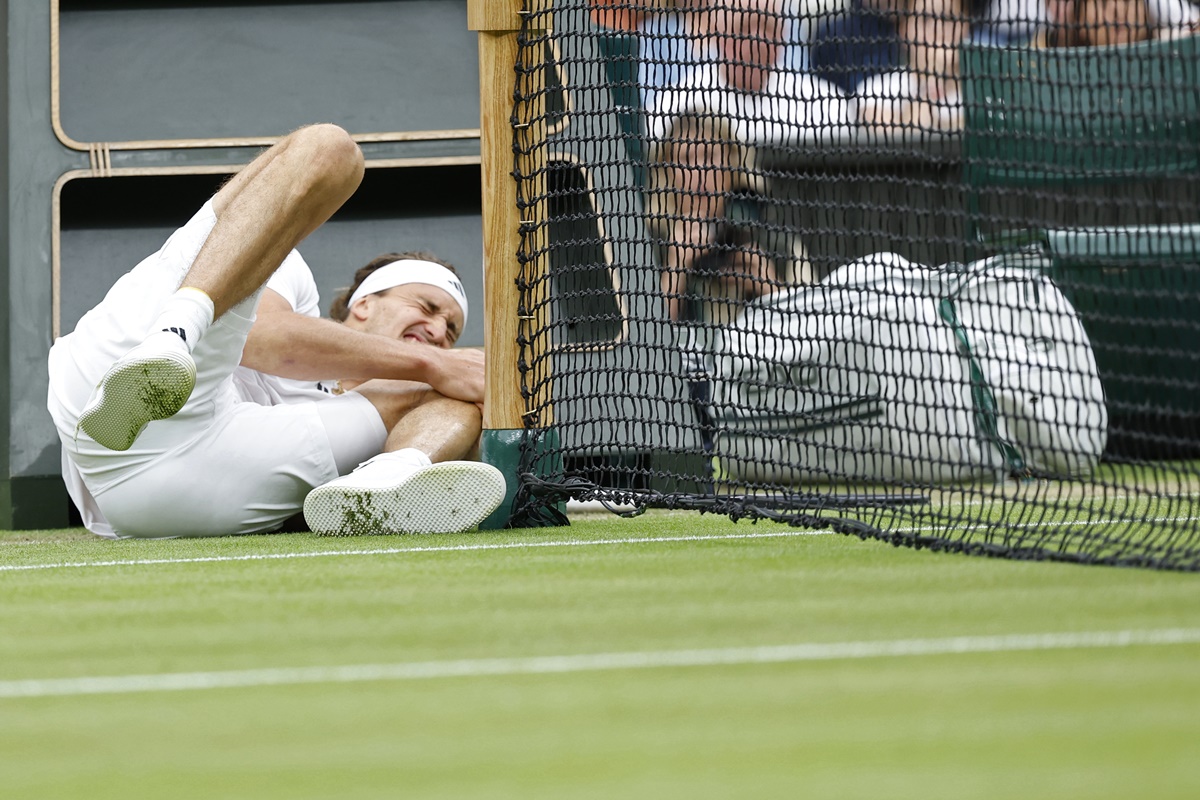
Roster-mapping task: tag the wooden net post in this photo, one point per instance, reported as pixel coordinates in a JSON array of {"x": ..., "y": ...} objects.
[{"x": 498, "y": 23}]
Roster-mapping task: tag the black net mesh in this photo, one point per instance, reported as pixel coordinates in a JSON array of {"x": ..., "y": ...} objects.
[{"x": 923, "y": 271}]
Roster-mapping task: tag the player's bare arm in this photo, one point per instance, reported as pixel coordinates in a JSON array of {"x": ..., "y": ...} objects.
[{"x": 292, "y": 345}]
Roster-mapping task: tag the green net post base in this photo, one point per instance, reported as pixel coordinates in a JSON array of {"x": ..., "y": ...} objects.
[{"x": 504, "y": 450}]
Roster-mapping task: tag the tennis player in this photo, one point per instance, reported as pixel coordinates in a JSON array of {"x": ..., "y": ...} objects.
[{"x": 205, "y": 395}]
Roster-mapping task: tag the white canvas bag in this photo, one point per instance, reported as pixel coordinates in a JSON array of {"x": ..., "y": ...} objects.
[{"x": 891, "y": 371}]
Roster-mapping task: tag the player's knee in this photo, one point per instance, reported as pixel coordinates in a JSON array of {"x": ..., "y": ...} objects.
[{"x": 332, "y": 155}]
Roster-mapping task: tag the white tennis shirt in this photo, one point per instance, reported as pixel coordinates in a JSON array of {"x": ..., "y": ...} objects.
[{"x": 294, "y": 282}]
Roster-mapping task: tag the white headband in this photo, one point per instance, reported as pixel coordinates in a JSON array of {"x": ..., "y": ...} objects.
[{"x": 410, "y": 270}]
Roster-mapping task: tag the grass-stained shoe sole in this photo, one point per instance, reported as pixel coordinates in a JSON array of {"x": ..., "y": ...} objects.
[
  {"x": 134, "y": 392},
  {"x": 450, "y": 497}
]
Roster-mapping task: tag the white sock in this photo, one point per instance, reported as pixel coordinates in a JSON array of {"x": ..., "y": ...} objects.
[
  {"x": 188, "y": 314},
  {"x": 411, "y": 455}
]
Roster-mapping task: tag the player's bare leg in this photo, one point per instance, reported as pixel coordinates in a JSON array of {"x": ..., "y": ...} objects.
[
  {"x": 262, "y": 213},
  {"x": 419, "y": 484},
  {"x": 268, "y": 208}
]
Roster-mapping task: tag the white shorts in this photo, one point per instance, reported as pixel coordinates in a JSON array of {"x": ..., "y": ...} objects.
[{"x": 221, "y": 465}]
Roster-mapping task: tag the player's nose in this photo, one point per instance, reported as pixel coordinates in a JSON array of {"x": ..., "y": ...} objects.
[{"x": 437, "y": 330}]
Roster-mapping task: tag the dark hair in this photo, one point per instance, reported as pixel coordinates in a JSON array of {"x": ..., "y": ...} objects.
[{"x": 339, "y": 309}]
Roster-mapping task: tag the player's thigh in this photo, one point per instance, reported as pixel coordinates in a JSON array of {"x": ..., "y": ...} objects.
[
  {"x": 396, "y": 399},
  {"x": 248, "y": 474}
]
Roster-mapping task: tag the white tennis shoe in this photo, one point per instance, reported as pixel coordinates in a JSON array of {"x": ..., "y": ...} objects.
[
  {"x": 391, "y": 494},
  {"x": 152, "y": 381}
]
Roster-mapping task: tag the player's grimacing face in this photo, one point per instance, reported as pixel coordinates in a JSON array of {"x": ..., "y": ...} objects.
[{"x": 415, "y": 312}]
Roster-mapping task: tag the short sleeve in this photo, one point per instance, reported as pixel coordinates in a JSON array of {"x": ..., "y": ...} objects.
[{"x": 294, "y": 282}]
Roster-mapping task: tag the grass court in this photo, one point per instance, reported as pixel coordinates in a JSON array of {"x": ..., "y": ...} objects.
[{"x": 670, "y": 655}]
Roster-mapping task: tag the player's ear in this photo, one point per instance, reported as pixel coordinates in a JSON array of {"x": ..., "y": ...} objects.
[{"x": 361, "y": 310}]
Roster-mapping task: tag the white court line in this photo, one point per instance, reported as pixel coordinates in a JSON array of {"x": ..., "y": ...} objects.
[
  {"x": 520, "y": 545},
  {"x": 1047, "y": 524},
  {"x": 540, "y": 665},
  {"x": 397, "y": 550},
  {"x": 1100, "y": 498}
]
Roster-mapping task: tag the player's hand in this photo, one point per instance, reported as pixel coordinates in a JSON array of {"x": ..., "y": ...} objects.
[{"x": 459, "y": 374}]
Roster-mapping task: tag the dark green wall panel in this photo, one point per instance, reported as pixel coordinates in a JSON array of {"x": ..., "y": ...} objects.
[{"x": 182, "y": 71}]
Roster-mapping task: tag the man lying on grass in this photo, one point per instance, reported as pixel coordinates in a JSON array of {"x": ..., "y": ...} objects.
[{"x": 205, "y": 396}]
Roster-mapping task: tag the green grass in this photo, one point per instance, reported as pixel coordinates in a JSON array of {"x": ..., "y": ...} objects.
[
  {"x": 1113, "y": 519},
  {"x": 1067, "y": 722}
]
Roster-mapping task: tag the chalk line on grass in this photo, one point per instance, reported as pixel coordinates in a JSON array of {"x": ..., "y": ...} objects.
[
  {"x": 387, "y": 551},
  {"x": 1064, "y": 523},
  {"x": 540, "y": 665},
  {"x": 521, "y": 545}
]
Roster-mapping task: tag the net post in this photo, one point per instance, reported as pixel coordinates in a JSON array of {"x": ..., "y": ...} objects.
[{"x": 505, "y": 432}]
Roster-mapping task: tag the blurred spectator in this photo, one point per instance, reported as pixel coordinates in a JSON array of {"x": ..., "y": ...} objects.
[
  {"x": 622, "y": 15},
  {"x": 858, "y": 43},
  {"x": 1009, "y": 22},
  {"x": 670, "y": 33},
  {"x": 899, "y": 58},
  {"x": 1097, "y": 23},
  {"x": 923, "y": 92},
  {"x": 699, "y": 177},
  {"x": 872, "y": 37},
  {"x": 668, "y": 47},
  {"x": 750, "y": 71},
  {"x": 1106, "y": 22}
]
